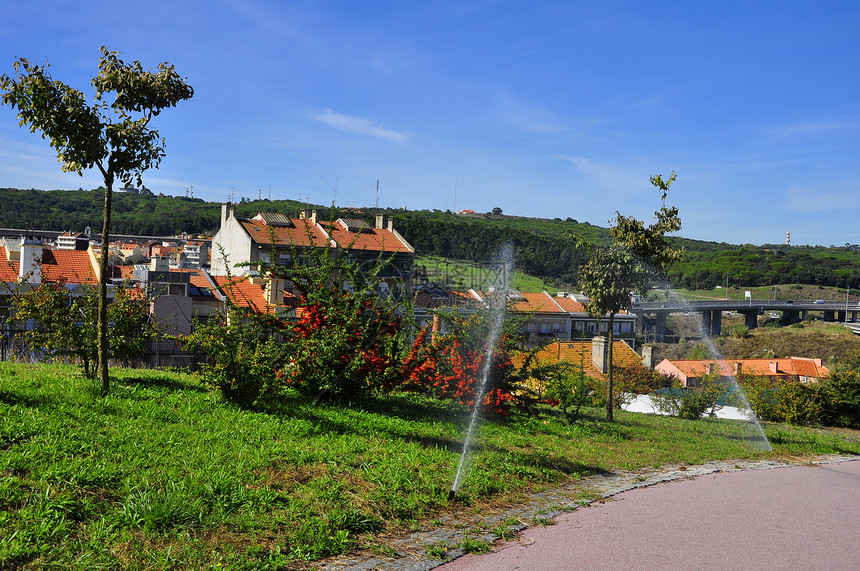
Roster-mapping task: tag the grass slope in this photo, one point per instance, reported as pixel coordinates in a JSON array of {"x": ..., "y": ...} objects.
[{"x": 161, "y": 474}]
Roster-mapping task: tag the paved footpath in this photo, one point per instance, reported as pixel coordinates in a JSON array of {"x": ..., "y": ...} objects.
[
  {"x": 805, "y": 517},
  {"x": 721, "y": 515}
]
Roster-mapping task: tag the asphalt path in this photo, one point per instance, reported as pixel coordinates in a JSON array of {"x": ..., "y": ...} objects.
[{"x": 800, "y": 517}]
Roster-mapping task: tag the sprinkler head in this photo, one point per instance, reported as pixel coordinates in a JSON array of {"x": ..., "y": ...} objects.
[{"x": 451, "y": 494}]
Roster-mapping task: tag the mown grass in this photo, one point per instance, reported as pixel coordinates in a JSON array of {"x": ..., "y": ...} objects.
[{"x": 162, "y": 474}]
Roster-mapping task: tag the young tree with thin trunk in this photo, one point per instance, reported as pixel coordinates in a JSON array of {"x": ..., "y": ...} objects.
[
  {"x": 612, "y": 274},
  {"x": 111, "y": 135}
]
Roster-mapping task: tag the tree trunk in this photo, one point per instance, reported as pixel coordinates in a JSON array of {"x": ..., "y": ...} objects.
[
  {"x": 103, "y": 279},
  {"x": 609, "y": 399}
]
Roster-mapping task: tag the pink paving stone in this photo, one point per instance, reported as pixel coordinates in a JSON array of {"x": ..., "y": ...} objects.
[{"x": 804, "y": 517}]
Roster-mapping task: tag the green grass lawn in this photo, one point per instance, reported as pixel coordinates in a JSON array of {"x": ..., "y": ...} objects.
[
  {"x": 162, "y": 474},
  {"x": 472, "y": 276}
]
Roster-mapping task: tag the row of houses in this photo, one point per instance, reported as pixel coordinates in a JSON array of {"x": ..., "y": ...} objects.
[
  {"x": 194, "y": 271},
  {"x": 192, "y": 281}
]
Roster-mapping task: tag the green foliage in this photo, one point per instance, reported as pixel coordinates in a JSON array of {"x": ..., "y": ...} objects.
[
  {"x": 798, "y": 403},
  {"x": 612, "y": 274},
  {"x": 699, "y": 351},
  {"x": 160, "y": 473},
  {"x": 244, "y": 355},
  {"x": 347, "y": 340},
  {"x": 692, "y": 402},
  {"x": 834, "y": 401},
  {"x": 841, "y": 399},
  {"x": 64, "y": 321},
  {"x": 762, "y": 394},
  {"x": 738, "y": 331},
  {"x": 112, "y": 136},
  {"x": 566, "y": 384}
]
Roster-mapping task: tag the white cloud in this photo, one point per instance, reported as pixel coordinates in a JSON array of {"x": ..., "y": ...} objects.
[{"x": 359, "y": 125}]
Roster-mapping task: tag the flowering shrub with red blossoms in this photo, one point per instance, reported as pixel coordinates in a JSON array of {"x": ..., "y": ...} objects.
[{"x": 451, "y": 366}]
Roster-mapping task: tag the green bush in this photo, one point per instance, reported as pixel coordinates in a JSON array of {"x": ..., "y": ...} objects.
[
  {"x": 840, "y": 399},
  {"x": 762, "y": 394},
  {"x": 692, "y": 402},
  {"x": 738, "y": 331},
  {"x": 798, "y": 403},
  {"x": 572, "y": 389}
]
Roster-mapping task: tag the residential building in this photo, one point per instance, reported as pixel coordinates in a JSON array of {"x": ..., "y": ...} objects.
[
  {"x": 241, "y": 243},
  {"x": 564, "y": 317},
  {"x": 74, "y": 240},
  {"x": 690, "y": 372}
]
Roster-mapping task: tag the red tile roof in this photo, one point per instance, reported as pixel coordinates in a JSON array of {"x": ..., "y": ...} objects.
[
  {"x": 303, "y": 232},
  {"x": 297, "y": 232},
  {"x": 537, "y": 302},
  {"x": 8, "y": 270},
  {"x": 373, "y": 239},
  {"x": 579, "y": 353},
  {"x": 72, "y": 265},
  {"x": 782, "y": 368}
]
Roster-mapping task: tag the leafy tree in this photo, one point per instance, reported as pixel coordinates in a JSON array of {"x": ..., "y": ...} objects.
[
  {"x": 112, "y": 136},
  {"x": 64, "y": 324},
  {"x": 613, "y": 273}
]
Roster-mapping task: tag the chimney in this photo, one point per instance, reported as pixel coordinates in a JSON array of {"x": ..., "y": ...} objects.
[
  {"x": 30, "y": 260},
  {"x": 599, "y": 353},
  {"x": 380, "y": 221},
  {"x": 738, "y": 367},
  {"x": 391, "y": 224},
  {"x": 773, "y": 366},
  {"x": 648, "y": 357},
  {"x": 709, "y": 368},
  {"x": 275, "y": 291},
  {"x": 226, "y": 211}
]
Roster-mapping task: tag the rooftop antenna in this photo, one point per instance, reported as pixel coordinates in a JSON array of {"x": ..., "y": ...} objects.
[
  {"x": 259, "y": 194},
  {"x": 232, "y": 190},
  {"x": 377, "y": 193}
]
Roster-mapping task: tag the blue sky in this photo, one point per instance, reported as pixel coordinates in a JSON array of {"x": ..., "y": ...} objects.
[{"x": 551, "y": 109}]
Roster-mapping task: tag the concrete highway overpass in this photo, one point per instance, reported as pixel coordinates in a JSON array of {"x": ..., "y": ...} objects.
[{"x": 712, "y": 312}]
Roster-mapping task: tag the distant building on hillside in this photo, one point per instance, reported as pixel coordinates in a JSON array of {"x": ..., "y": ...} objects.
[{"x": 690, "y": 372}]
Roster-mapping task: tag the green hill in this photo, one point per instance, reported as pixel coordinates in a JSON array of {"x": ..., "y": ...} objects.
[{"x": 544, "y": 248}]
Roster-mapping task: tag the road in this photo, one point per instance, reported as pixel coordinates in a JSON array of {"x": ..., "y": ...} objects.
[{"x": 803, "y": 517}]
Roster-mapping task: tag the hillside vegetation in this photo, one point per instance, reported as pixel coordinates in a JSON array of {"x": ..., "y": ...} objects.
[
  {"x": 549, "y": 249},
  {"x": 831, "y": 342}
]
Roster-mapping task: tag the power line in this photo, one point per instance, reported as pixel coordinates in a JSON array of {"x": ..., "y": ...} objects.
[
  {"x": 552, "y": 162},
  {"x": 310, "y": 166}
]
